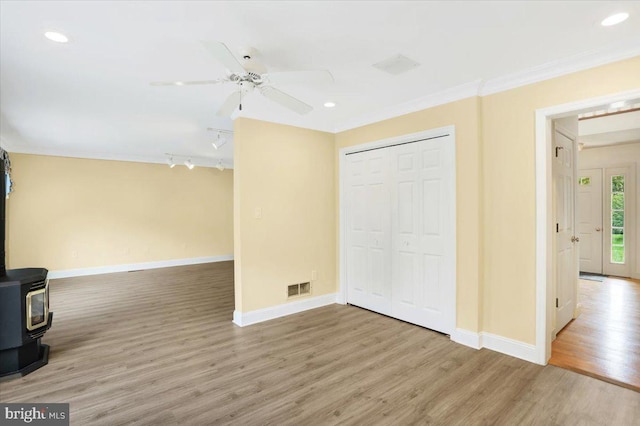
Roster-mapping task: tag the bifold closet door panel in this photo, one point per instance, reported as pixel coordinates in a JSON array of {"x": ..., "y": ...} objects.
[
  {"x": 368, "y": 233},
  {"x": 418, "y": 228}
]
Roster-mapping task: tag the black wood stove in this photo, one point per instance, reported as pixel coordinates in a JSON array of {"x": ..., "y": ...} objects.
[{"x": 24, "y": 306}]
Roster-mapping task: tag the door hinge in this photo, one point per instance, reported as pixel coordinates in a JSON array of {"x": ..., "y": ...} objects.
[
  {"x": 557, "y": 227},
  {"x": 556, "y": 302}
]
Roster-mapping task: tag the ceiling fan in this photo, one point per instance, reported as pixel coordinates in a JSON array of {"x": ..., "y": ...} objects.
[{"x": 249, "y": 74}]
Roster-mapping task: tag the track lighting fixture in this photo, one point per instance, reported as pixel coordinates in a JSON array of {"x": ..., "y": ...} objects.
[
  {"x": 189, "y": 164},
  {"x": 220, "y": 140},
  {"x": 170, "y": 162},
  {"x": 220, "y": 166}
]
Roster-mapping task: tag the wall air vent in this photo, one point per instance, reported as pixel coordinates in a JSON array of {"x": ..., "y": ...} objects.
[{"x": 298, "y": 289}]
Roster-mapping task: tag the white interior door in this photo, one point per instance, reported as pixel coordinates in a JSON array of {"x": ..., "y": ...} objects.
[
  {"x": 400, "y": 239},
  {"x": 368, "y": 223},
  {"x": 566, "y": 264},
  {"x": 589, "y": 220},
  {"x": 619, "y": 220}
]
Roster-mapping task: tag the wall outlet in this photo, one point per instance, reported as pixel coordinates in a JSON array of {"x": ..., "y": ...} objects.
[
  {"x": 314, "y": 275},
  {"x": 257, "y": 213}
]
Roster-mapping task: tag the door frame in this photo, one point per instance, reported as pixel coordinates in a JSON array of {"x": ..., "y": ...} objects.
[
  {"x": 341, "y": 297},
  {"x": 545, "y": 306}
]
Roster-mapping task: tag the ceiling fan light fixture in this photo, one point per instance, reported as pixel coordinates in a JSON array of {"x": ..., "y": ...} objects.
[
  {"x": 614, "y": 19},
  {"x": 189, "y": 164},
  {"x": 329, "y": 104},
  {"x": 56, "y": 36}
]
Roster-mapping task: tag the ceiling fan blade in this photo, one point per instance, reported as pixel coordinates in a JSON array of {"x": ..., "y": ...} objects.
[
  {"x": 285, "y": 100},
  {"x": 187, "y": 83},
  {"x": 229, "y": 105},
  {"x": 222, "y": 53},
  {"x": 299, "y": 77}
]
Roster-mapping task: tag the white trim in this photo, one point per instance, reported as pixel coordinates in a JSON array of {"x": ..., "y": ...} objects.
[
  {"x": 496, "y": 343},
  {"x": 544, "y": 307},
  {"x": 509, "y": 347},
  {"x": 148, "y": 159},
  {"x": 137, "y": 266},
  {"x": 467, "y": 338},
  {"x": 341, "y": 296},
  {"x": 446, "y": 96},
  {"x": 244, "y": 319},
  {"x": 563, "y": 66}
]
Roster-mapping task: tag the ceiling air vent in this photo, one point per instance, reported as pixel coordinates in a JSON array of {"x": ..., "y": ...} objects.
[{"x": 396, "y": 65}]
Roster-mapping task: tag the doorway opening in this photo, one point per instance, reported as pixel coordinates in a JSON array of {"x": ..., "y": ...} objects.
[{"x": 587, "y": 183}]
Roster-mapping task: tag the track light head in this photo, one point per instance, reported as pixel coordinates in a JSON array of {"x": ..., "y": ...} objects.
[
  {"x": 220, "y": 140},
  {"x": 189, "y": 164},
  {"x": 170, "y": 162},
  {"x": 220, "y": 166}
]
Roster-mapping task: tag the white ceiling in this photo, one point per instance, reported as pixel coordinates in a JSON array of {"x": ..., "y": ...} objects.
[
  {"x": 91, "y": 97},
  {"x": 611, "y": 129}
]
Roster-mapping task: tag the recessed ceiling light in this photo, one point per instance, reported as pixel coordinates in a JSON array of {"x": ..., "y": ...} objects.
[
  {"x": 614, "y": 19},
  {"x": 329, "y": 104},
  {"x": 57, "y": 37},
  {"x": 618, "y": 104}
]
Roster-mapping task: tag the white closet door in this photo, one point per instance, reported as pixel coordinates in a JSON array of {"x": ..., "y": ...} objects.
[
  {"x": 421, "y": 226},
  {"x": 400, "y": 232},
  {"x": 368, "y": 241}
]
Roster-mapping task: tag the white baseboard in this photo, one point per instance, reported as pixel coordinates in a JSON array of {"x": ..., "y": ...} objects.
[
  {"x": 252, "y": 317},
  {"x": 496, "y": 343},
  {"x": 509, "y": 347},
  {"x": 467, "y": 338},
  {"x": 67, "y": 273}
]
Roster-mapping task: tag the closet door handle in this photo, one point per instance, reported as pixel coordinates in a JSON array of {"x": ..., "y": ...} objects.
[{"x": 598, "y": 229}]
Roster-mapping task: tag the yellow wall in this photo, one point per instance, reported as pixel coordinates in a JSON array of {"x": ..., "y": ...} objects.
[
  {"x": 288, "y": 173},
  {"x": 465, "y": 115},
  {"x": 509, "y": 189},
  {"x": 69, "y": 213}
]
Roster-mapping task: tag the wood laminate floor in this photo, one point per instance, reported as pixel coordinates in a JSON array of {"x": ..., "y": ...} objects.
[
  {"x": 158, "y": 347},
  {"x": 604, "y": 341}
]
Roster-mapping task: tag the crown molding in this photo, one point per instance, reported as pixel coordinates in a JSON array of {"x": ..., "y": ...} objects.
[
  {"x": 153, "y": 159},
  {"x": 563, "y": 66},
  {"x": 549, "y": 70},
  {"x": 462, "y": 91}
]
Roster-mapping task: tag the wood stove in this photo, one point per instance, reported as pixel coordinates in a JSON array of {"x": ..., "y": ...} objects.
[{"x": 24, "y": 306}]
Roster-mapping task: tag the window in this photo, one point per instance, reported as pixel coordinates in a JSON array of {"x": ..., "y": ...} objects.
[{"x": 617, "y": 219}]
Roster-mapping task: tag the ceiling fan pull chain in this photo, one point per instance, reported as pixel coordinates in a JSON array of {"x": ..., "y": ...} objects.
[{"x": 240, "y": 100}]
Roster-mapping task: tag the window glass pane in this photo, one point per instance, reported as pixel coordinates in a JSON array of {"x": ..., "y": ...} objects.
[
  {"x": 617, "y": 254},
  {"x": 617, "y": 218},
  {"x": 584, "y": 181},
  {"x": 617, "y": 201},
  {"x": 617, "y": 183}
]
